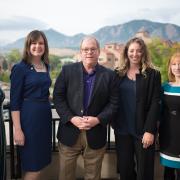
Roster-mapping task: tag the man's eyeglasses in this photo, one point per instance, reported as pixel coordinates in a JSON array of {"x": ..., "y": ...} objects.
[{"x": 92, "y": 50}]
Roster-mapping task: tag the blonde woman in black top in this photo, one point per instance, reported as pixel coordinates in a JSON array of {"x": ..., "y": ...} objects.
[{"x": 135, "y": 125}]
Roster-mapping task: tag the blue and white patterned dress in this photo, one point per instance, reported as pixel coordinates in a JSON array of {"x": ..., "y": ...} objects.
[{"x": 170, "y": 127}]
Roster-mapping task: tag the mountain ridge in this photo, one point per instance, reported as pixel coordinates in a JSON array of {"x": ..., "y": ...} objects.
[{"x": 117, "y": 33}]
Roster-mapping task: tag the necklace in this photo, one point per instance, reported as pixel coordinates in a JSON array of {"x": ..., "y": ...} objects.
[
  {"x": 132, "y": 74},
  {"x": 38, "y": 66}
]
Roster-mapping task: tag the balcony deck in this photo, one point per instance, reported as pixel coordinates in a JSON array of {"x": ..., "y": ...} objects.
[
  {"x": 108, "y": 168},
  {"x": 51, "y": 172}
]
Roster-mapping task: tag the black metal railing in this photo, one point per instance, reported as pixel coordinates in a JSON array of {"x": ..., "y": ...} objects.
[
  {"x": 2, "y": 140},
  {"x": 12, "y": 149}
]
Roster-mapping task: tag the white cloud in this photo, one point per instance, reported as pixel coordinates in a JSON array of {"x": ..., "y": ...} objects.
[
  {"x": 75, "y": 16},
  {"x": 13, "y": 28},
  {"x": 168, "y": 15},
  {"x": 21, "y": 23}
]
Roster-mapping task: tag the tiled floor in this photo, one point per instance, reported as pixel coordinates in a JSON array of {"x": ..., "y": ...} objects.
[{"x": 51, "y": 172}]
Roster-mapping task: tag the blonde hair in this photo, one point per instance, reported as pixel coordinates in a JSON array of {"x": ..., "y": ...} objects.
[
  {"x": 124, "y": 63},
  {"x": 171, "y": 76}
]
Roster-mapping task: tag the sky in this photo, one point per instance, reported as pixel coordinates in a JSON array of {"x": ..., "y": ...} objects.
[{"x": 70, "y": 17}]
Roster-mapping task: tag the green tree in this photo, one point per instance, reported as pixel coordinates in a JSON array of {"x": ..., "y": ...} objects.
[
  {"x": 160, "y": 54},
  {"x": 54, "y": 62},
  {"x": 13, "y": 56},
  {"x": 4, "y": 76},
  {"x": 4, "y": 65}
]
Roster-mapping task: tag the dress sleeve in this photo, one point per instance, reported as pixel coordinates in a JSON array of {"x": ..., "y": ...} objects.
[{"x": 16, "y": 90}]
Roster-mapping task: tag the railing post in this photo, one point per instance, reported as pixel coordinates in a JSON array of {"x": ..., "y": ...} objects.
[
  {"x": 109, "y": 137},
  {"x": 54, "y": 136},
  {"x": 2, "y": 141},
  {"x": 12, "y": 166},
  {"x": 15, "y": 163}
]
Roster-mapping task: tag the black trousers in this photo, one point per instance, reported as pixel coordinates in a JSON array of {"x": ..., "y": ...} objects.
[
  {"x": 171, "y": 174},
  {"x": 134, "y": 162}
]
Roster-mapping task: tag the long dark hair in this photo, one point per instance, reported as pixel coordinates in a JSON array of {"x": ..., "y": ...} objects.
[{"x": 32, "y": 37}]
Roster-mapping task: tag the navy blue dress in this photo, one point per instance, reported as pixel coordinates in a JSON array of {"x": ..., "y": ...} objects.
[{"x": 29, "y": 94}]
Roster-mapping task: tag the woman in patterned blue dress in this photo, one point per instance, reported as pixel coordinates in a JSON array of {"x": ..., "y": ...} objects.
[
  {"x": 30, "y": 107},
  {"x": 170, "y": 122}
]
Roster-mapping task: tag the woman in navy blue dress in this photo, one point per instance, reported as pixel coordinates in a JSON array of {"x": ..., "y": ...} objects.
[{"x": 30, "y": 107}]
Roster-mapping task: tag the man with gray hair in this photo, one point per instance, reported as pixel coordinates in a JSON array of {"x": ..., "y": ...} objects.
[{"x": 86, "y": 98}]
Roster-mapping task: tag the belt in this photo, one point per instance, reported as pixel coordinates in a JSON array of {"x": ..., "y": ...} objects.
[{"x": 36, "y": 99}]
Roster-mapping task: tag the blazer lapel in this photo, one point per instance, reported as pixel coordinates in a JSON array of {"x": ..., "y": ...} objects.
[
  {"x": 80, "y": 80},
  {"x": 140, "y": 86},
  {"x": 97, "y": 83}
]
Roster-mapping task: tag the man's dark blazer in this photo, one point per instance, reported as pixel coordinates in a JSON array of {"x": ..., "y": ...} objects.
[{"x": 68, "y": 100}]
